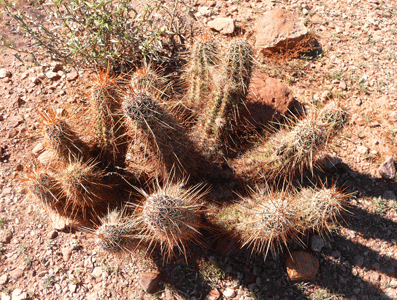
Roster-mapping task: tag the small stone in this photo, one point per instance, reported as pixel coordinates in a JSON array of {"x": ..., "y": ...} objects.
[
  {"x": 16, "y": 274},
  {"x": 358, "y": 260},
  {"x": 374, "y": 124},
  {"x": 5, "y": 236},
  {"x": 317, "y": 243},
  {"x": 149, "y": 281},
  {"x": 343, "y": 85},
  {"x": 325, "y": 95},
  {"x": 302, "y": 266},
  {"x": 5, "y": 73},
  {"x": 387, "y": 169},
  {"x": 66, "y": 253},
  {"x": 52, "y": 234},
  {"x": 213, "y": 295},
  {"x": 53, "y": 76},
  {"x": 18, "y": 295},
  {"x": 97, "y": 272},
  {"x": 229, "y": 293},
  {"x": 72, "y": 288},
  {"x": 359, "y": 101},
  {"x": 38, "y": 79},
  {"x": 4, "y": 296},
  {"x": 362, "y": 149},
  {"x": 38, "y": 148},
  {"x": 389, "y": 195},
  {"x": 393, "y": 116},
  {"x": 222, "y": 25},
  {"x": 72, "y": 76},
  {"x": 3, "y": 279},
  {"x": 56, "y": 66},
  {"x": 204, "y": 11},
  {"x": 329, "y": 162}
]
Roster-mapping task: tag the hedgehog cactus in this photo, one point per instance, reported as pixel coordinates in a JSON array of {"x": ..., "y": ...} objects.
[{"x": 142, "y": 130}]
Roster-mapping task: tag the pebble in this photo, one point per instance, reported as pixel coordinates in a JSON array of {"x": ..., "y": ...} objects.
[
  {"x": 387, "y": 169},
  {"x": 317, "y": 243},
  {"x": 5, "y": 236},
  {"x": 229, "y": 293},
  {"x": 389, "y": 195},
  {"x": 5, "y": 73},
  {"x": 3, "y": 279},
  {"x": 223, "y": 25},
  {"x": 66, "y": 253},
  {"x": 213, "y": 295},
  {"x": 97, "y": 272},
  {"x": 362, "y": 149}
]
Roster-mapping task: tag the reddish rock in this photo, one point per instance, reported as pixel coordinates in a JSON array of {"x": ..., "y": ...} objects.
[
  {"x": 149, "y": 281},
  {"x": 279, "y": 28},
  {"x": 213, "y": 295},
  {"x": 302, "y": 266},
  {"x": 268, "y": 100},
  {"x": 222, "y": 25},
  {"x": 387, "y": 169}
]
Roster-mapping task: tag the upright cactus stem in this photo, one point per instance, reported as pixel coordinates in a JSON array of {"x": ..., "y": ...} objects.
[
  {"x": 151, "y": 123},
  {"x": 229, "y": 94},
  {"x": 104, "y": 103},
  {"x": 199, "y": 80},
  {"x": 60, "y": 138}
]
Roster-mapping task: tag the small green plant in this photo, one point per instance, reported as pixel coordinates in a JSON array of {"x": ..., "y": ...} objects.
[
  {"x": 48, "y": 281},
  {"x": 3, "y": 221},
  {"x": 380, "y": 205},
  {"x": 211, "y": 273},
  {"x": 97, "y": 33},
  {"x": 22, "y": 248},
  {"x": 51, "y": 244},
  {"x": 366, "y": 119}
]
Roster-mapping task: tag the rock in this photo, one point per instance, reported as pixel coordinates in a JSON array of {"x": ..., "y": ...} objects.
[
  {"x": 204, "y": 11},
  {"x": 72, "y": 76},
  {"x": 15, "y": 121},
  {"x": 229, "y": 293},
  {"x": 45, "y": 157},
  {"x": 3, "y": 279},
  {"x": 389, "y": 195},
  {"x": 391, "y": 293},
  {"x": 56, "y": 66},
  {"x": 277, "y": 29},
  {"x": 358, "y": 260},
  {"x": 5, "y": 236},
  {"x": 38, "y": 79},
  {"x": 12, "y": 133},
  {"x": 222, "y": 25},
  {"x": 302, "y": 266},
  {"x": 5, "y": 73},
  {"x": 18, "y": 295},
  {"x": 53, "y": 76},
  {"x": 97, "y": 272},
  {"x": 343, "y": 85},
  {"x": 72, "y": 288},
  {"x": 16, "y": 274},
  {"x": 213, "y": 295},
  {"x": 317, "y": 243},
  {"x": 4, "y": 296},
  {"x": 393, "y": 116},
  {"x": 66, "y": 253},
  {"x": 362, "y": 149},
  {"x": 267, "y": 100},
  {"x": 38, "y": 148},
  {"x": 149, "y": 281},
  {"x": 387, "y": 169},
  {"x": 52, "y": 234}
]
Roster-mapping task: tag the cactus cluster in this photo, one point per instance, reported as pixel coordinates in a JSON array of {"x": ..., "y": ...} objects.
[{"x": 143, "y": 165}]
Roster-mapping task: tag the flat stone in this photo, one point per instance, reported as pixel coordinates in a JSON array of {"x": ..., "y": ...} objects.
[
  {"x": 72, "y": 76},
  {"x": 343, "y": 85},
  {"x": 389, "y": 195},
  {"x": 222, "y": 25},
  {"x": 56, "y": 66},
  {"x": 15, "y": 121},
  {"x": 213, "y": 295},
  {"x": 4, "y": 296},
  {"x": 317, "y": 243},
  {"x": 16, "y": 274},
  {"x": 388, "y": 169},
  {"x": 302, "y": 266},
  {"x": 53, "y": 76},
  {"x": 204, "y": 11},
  {"x": 66, "y": 253},
  {"x": 72, "y": 288},
  {"x": 277, "y": 29},
  {"x": 362, "y": 149},
  {"x": 52, "y": 234},
  {"x": 149, "y": 281}
]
